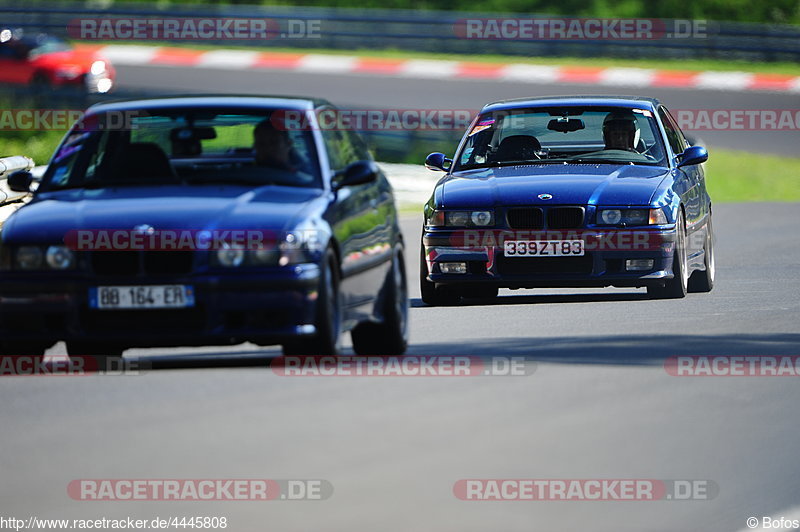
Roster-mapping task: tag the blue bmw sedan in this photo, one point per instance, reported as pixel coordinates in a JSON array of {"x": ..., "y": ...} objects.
[
  {"x": 204, "y": 221},
  {"x": 568, "y": 192}
]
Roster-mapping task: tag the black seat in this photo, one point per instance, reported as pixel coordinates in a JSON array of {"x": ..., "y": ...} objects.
[
  {"x": 518, "y": 148},
  {"x": 144, "y": 161}
]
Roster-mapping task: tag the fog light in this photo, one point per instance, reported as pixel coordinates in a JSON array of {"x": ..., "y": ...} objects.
[
  {"x": 639, "y": 264},
  {"x": 453, "y": 267}
]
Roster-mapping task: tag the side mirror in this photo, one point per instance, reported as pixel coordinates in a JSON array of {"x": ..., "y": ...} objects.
[
  {"x": 693, "y": 155},
  {"x": 437, "y": 162},
  {"x": 20, "y": 181},
  {"x": 357, "y": 173}
]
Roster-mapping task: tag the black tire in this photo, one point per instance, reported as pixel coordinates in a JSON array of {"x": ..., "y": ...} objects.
[
  {"x": 389, "y": 338},
  {"x": 433, "y": 295},
  {"x": 703, "y": 281},
  {"x": 328, "y": 338},
  {"x": 676, "y": 287},
  {"x": 27, "y": 349},
  {"x": 97, "y": 355}
]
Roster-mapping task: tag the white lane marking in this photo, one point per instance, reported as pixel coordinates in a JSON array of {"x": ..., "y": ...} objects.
[
  {"x": 327, "y": 63},
  {"x": 723, "y": 80},
  {"x": 530, "y": 73},
  {"x": 233, "y": 59},
  {"x": 423, "y": 68},
  {"x": 243, "y": 59},
  {"x": 630, "y": 77},
  {"x": 129, "y": 55}
]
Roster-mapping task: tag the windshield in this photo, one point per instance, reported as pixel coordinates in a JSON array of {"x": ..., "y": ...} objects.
[
  {"x": 184, "y": 146},
  {"x": 562, "y": 135},
  {"x": 46, "y": 46}
]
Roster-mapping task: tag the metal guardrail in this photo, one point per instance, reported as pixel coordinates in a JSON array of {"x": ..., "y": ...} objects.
[
  {"x": 346, "y": 28},
  {"x": 9, "y": 165},
  {"x": 10, "y": 200}
]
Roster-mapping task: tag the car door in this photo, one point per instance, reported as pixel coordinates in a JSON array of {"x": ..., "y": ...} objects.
[
  {"x": 699, "y": 175},
  {"x": 359, "y": 227},
  {"x": 14, "y": 68},
  {"x": 687, "y": 180}
]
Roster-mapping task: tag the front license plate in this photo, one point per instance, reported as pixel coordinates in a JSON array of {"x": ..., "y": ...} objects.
[
  {"x": 543, "y": 248},
  {"x": 141, "y": 297}
]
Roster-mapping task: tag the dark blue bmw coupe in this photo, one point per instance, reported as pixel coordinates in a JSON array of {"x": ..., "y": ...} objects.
[
  {"x": 568, "y": 192},
  {"x": 204, "y": 221}
]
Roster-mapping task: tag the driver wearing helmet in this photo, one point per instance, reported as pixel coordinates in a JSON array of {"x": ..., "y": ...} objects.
[{"x": 621, "y": 131}]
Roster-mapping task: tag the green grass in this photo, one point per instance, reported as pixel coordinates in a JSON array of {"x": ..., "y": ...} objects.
[
  {"x": 786, "y": 68},
  {"x": 39, "y": 147},
  {"x": 734, "y": 176}
]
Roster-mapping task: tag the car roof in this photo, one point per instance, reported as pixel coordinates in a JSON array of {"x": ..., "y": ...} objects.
[
  {"x": 227, "y": 100},
  {"x": 581, "y": 100}
]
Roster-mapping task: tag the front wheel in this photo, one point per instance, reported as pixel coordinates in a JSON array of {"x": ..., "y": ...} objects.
[
  {"x": 676, "y": 287},
  {"x": 328, "y": 322},
  {"x": 32, "y": 350},
  {"x": 704, "y": 281},
  {"x": 100, "y": 355},
  {"x": 389, "y": 338}
]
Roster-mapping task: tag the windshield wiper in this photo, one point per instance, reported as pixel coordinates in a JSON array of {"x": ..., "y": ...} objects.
[
  {"x": 229, "y": 181},
  {"x": 497, "y": 164},
  {"x": 600, "y": 160}
]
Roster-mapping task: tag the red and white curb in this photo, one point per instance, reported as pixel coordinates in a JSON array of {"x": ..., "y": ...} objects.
[{"x": 419, "y": 68}]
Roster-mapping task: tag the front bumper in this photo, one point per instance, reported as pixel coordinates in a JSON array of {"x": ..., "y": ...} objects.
[
  {"x": 603, "y": 263},
  {"x": 268, "y": 307}
]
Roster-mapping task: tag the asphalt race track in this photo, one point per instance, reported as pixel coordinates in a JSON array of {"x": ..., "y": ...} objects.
[{"x": 598, "y": 405}]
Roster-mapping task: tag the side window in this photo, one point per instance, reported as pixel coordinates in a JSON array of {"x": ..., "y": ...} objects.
[
  {"x": 674, "y": 135},
  {"x": 359, "y": 146},
  {"x": 341, "y": 151}
]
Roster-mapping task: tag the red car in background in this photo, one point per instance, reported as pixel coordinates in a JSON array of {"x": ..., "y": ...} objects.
[{"x": 44, "y": 62}]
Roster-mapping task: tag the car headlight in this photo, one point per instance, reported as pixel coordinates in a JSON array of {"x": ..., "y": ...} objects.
[
  {"x": 462, "y": 219},
  {"x": 60, "y": 257},
  {"x": 29, "y": 257},
  {"x": 297, "y": 247},
  {"x": 631, "y": 217},
  {"x": 98, "y": 67},
  {"x": 293, "y": 247},
  {"x": 230, "y": 257}
]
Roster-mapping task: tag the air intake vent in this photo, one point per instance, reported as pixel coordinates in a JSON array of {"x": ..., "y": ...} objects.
[
  {"x": 525, "y": 218},
  {"x": 564, "y": 217}
]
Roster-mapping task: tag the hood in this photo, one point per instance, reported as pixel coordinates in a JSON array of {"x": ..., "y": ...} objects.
[
  {"x": 573, "y": 184},
  {"x": 52, "y": 215},
  {"x": 76, "y": 58}
]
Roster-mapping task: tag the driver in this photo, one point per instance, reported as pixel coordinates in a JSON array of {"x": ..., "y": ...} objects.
[
  {"x": 274, "y": 149},
  {"x": 621, "y": 131}
]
